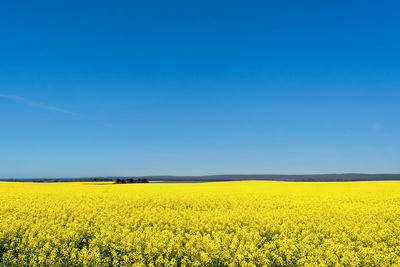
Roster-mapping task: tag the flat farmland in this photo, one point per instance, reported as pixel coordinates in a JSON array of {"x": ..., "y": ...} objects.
[{"x": 242, "y": 223}]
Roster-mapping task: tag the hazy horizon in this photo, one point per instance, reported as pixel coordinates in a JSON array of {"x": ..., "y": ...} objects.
[{"x": 206, "y": 175}]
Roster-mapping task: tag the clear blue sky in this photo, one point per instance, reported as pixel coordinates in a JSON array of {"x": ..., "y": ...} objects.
[{"x": 93, "y": 88}]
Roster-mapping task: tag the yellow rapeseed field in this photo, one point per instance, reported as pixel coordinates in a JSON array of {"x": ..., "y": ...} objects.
[{"x": 249, "y": 223}]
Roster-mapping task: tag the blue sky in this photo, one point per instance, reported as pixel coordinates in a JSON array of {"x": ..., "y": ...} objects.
[{"x": 93, "y": 88}]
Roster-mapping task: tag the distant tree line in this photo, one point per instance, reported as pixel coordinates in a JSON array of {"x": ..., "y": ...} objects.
[{"x": 130, "y": 181}]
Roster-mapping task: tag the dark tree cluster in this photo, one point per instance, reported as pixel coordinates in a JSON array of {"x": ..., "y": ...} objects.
[{"x": 131, "y": 181}]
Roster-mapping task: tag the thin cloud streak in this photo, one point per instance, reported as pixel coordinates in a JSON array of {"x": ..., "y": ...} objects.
[{"x": 36, "y": 104}]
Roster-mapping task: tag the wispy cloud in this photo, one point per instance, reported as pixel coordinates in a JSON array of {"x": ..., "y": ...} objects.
[
  {"x": 377, "y": 126},
  {"x": 36, "y": 104}
]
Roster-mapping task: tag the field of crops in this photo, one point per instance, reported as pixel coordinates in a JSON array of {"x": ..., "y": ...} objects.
[{"x": 249, "y": 223}]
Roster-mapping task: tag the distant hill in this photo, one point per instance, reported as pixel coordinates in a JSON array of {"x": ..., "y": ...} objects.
[
  {"x": 283, "y": 177},
  {"x": 229, "y": 177}
]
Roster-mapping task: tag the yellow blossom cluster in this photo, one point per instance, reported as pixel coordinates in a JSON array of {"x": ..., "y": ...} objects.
[{"x": 247, "y": 223}]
